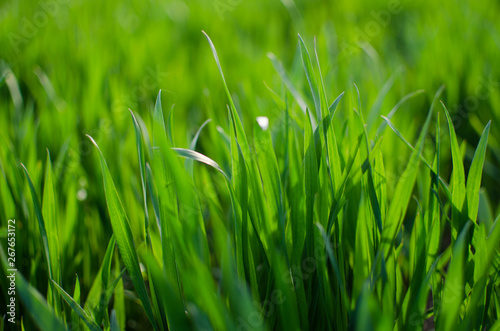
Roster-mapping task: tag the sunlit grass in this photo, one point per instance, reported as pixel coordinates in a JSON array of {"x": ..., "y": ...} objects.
[
  {"x": 311, "y": 239},
  {"x": 275, "y": 194}
]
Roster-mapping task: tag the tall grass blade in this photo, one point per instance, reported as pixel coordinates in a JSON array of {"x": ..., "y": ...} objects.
[
  {"x": 458, "y": 191},
  {"x": 79, "y": 310},
  {"x": 475, "y": 174},
  {"x": 123, "y": 235}
]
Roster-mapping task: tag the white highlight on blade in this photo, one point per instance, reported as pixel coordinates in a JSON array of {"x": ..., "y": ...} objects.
[{"x": 263, "y": 122}]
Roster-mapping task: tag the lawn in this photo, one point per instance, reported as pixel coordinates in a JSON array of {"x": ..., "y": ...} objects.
[{"x": 249, "y": 165}]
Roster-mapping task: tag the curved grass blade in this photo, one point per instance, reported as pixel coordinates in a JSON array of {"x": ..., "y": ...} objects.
[
  {"x": 123, "y": 235},
  {"x": 475, "y": 174},
  {"x": 192, "y": 146},
  {"x": 75, "y": 319},
  {"x": 193, "y": 155},
  {"x": 76, "y": 307}
]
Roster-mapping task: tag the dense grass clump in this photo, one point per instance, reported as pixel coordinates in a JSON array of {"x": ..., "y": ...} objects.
[
  {"x": 359, "y": 195},
  {"x": 326, "y": 217}
]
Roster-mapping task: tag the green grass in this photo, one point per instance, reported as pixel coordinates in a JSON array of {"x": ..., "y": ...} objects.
[{"x": 365, "y": 202}]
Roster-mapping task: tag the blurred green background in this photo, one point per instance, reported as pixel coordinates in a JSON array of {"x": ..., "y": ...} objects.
[
  {"x": 103, "y": 57},
  {"x": 74, "y": 67}
]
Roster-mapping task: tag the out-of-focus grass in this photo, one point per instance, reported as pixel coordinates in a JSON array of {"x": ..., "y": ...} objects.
[{"x": 394, "y": 205}]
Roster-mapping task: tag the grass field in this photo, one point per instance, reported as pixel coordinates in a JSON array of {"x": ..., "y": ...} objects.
[{"x": 249, "y": 165}]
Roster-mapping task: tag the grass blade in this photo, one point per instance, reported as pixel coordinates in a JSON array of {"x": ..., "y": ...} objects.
[
  {"x": 75, "y": 318},
  {"x": 458, "y": 179},
  {"x": 123, "y": 235},
  {"x": 49, "y": 212},
  {"x": 404, "y": 188},
  {"x": 475, "y": 174},
  {"x": 76, "y": 307},
  {"x": 278, "y": 66},
  {"x": 41, "y": 222},
  {"x": 311, "y": 77},
  {"x": 142, "y": 167},
  {"x": 454, "y": 288}
]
